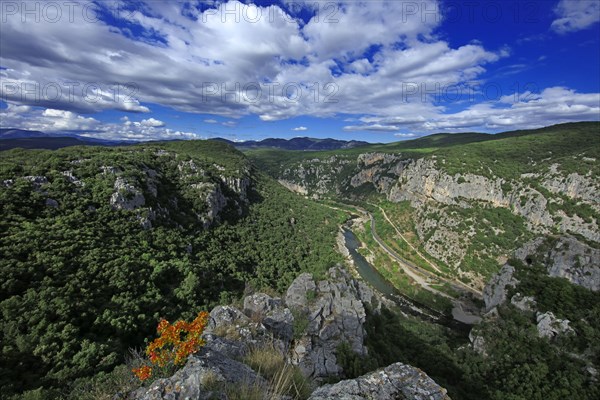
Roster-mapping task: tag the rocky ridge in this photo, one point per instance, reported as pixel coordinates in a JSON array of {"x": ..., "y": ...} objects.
[
  {"x": 306, "y": 326},
  {"x": 154, "y": 191}
]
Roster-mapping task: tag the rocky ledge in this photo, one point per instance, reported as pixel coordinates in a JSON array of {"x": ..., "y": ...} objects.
[
  {"x": 397, "y": 381},
  {"x": 306, "y": 327}
]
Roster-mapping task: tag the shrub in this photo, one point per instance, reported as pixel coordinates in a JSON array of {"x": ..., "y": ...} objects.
[
  {"x": 300, "y": 323},
  {"x": 353, "y": 364},
  {"x": 175, "y": 344}
]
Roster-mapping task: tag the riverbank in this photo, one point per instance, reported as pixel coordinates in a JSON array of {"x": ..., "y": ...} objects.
[{"x": 362, "y": 265}]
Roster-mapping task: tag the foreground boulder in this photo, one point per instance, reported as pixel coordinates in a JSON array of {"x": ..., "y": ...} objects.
[{"x": 397, "y": 381}]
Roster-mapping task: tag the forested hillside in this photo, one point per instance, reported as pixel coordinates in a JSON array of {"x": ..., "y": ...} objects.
[{"x": 99, "y": 243}]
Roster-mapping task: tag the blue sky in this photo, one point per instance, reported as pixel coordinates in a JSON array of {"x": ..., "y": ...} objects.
[{"x": 379, "y": 71}]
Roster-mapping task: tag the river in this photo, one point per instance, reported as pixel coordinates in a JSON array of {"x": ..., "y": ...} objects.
[{"x": 460, "y": 320}]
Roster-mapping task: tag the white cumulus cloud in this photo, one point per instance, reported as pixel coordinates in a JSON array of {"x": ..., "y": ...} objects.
[
  {"x": 152, "y": 122},
  {"x": 575, "y": 15}
]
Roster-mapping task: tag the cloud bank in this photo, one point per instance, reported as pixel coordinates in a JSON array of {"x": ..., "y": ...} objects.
[{"x": 381, "y": 60}]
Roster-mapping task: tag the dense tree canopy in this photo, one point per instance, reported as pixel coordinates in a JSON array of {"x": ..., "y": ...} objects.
[{"x": 82, "y": 282}]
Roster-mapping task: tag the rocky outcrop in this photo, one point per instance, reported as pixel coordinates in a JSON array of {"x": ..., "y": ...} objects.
[
  {"x": 315, "y": 177},
  {"x": 312, "y": 321},
  {"x": 335, "y": 315},
  {"x": 422, "y": 180},
  {"x": 523, "y": 303},
  {"x": 215, "y": 203},
  {"x": 397, "y": 381},
  {"x": 549, "y": 326},
  {"x": 573, "y": 185},
  {"x": 126, "y": 196},
  {"x": 37, "y": 182},
  {"x": 297, "y": 294},
  {"x": 238, "y": 185},
  {"x": 276, "y": 318},
  {"x": 565, "y": 257},
  {"x": 72, "y": 178},
  {"x": 306, "y": 327},
  {"x": 575, "y": 261},
  {"x": 293, "y": 187},
  {"x": 496, "y": 291},
  {"x": 477, "y": 342},
  {"x": 109, "y": 170}
]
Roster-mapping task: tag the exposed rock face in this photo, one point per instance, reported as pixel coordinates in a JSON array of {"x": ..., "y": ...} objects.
[
  {"x": 126, "y": 196},
  {"x": 567, "y": 258},
  {"x": 238, "y": 185},
  {"x": 275, "y": 317},
  {"x": 397, "y": 381},
  {"x": 37, "y": 182},
  {"x": 226, "y": 316},
  {"x": 335, "y": 315},
  {"x": 315, "y": 177},
  {"x": 293, "y": 187},
  {"x": 549, "y": 326},
  {"x": 540, "y": 200},
  {"x": 423, "y": 180},
  {"x": 477, "y": 342},
  {"x": 496, "y": 290},
  {"x": 575, "y": 261},
  {"x": 72, "y": 178},
  {"x": 109, "y": 170},
  {"x": 335, "y": 311},
  {"x": 573, "y": 185},
  {"x": 216, "y": 202},
  {"x": 296, "y": 295},
  {"x": 523, "y": 303}
]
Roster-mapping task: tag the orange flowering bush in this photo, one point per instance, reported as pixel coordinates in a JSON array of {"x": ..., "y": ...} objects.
[{"x": 174, "y": 344}]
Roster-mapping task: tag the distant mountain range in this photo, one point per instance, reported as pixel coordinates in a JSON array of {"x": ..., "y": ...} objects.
[
  {"x": 299, "y": 143},
  {"x": 13, "y": 138}
]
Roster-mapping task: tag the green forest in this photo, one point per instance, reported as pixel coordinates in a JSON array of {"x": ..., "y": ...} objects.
[{"x": 83, "y": 282}]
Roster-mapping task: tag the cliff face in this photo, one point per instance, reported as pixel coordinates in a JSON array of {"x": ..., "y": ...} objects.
[
  {"x": 565, "y": 257},
  {"x": 306, "y": 328},
  {"x": 467, "y": 216}
]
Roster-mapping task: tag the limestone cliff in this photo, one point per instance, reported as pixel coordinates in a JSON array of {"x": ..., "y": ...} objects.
[{"x": 465, "y": 216}]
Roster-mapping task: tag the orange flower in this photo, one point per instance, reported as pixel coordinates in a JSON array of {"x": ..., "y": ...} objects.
[
  {"x": 175, "y": 343},
  {"x": 143, "y": 372}
]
